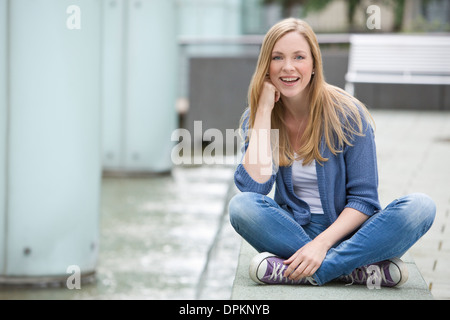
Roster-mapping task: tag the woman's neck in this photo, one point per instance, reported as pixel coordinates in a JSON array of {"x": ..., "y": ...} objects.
[{"x": 296, "y": 108}]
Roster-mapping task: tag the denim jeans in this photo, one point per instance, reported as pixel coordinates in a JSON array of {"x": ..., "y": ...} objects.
[{"x": 387, "y": 234}]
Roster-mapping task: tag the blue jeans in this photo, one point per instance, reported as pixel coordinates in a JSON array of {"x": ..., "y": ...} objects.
[{"x": 387, "y": 234}]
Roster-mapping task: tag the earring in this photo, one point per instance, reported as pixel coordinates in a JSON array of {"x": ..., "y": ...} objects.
[{"x": 313, "y": 73}]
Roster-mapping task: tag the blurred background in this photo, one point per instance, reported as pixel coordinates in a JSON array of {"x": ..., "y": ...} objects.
[{"x": 91, "y": 92}]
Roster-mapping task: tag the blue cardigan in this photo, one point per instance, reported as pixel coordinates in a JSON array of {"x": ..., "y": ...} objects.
[{"x": 347, "y": 179}]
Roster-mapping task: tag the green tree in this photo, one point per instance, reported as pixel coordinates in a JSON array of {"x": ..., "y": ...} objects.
[{"x": 352, "y": 6}]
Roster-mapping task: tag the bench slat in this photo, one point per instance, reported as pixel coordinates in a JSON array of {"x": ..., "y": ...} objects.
[{"x": 398, "y": 59}]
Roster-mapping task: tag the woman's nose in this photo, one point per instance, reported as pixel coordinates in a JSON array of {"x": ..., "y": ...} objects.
[{"x": 288, "y": 66}]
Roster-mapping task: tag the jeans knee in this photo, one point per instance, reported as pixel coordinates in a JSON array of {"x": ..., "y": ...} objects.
[
  {"x": 427, "y": 207},
  {"x": 239, "y": 207},
  {"x": 233, "y": 209},
  {"x": 422, "y": 209}
]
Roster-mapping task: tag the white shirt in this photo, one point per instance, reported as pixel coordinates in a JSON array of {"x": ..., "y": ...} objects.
[{"x": 304, "y": 179}]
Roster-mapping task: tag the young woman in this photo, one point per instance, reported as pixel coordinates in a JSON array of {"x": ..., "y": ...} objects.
[{"x": 316, "y": 143}]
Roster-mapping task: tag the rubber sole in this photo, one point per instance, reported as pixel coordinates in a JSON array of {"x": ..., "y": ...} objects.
[
  {"x": 255, "y": 263},
  {"x": 403, "y": 270}
]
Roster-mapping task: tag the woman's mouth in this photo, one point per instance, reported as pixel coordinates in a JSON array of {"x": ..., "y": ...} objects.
[{"x": 289, "y": 81}]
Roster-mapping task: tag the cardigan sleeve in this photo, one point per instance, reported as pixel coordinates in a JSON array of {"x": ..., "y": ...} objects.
[
  {"x": 244, "y": 182},
  {"x": 362, "y": 173}
]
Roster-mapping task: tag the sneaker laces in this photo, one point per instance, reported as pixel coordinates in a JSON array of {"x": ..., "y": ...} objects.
[{"x": 277, "y": 275}]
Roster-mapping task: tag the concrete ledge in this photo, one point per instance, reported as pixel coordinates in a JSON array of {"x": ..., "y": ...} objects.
[{"x": 245, "y": 289}]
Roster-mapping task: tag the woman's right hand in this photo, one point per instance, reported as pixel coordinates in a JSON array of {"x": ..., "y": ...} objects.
[{"x": 269, "y": 95}]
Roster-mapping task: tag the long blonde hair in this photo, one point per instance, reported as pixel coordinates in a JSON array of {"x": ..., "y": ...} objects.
[{"x": 334, "y": 114}]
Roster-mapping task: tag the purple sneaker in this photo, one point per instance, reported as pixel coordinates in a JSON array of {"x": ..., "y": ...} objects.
[
  {"x": 266, "y": 268},
  {"x": 387, "y": 273}
]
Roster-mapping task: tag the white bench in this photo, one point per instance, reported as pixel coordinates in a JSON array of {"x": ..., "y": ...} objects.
[{"x": 401, "y": 59}]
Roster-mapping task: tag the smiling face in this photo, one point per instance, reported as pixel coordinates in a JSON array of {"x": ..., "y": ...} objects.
[{"x": 291, "y": 65}]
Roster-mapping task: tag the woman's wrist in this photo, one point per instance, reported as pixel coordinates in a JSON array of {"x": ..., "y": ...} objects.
[
  {"x": 264, "y": 109},
  {"x": 324, "y": 241}
]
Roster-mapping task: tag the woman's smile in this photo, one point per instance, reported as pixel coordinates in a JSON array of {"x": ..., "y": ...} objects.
[{"x": 289, "y": 81}]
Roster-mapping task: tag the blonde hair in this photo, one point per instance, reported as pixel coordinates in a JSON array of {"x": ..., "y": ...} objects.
[{"x": 333, "y": 114}]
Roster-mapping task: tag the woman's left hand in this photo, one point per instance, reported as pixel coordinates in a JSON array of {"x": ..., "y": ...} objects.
[{"x": 306, "y": 261}]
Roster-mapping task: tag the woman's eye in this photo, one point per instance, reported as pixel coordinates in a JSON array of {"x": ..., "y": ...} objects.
[
  {"x": 276, "y": 58},
  {"x": 299, "y": 57}
]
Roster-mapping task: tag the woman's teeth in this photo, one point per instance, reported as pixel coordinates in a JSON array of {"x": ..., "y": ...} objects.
[{"x": 289, "y": 79}]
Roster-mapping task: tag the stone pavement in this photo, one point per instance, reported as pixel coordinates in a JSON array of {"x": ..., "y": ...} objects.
[
  {"x": 168, "y": 237},
  {"x": 160, "y": 238},
  {"x": 244, "y": 288},
  {"x": 413, "y": 151}
]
